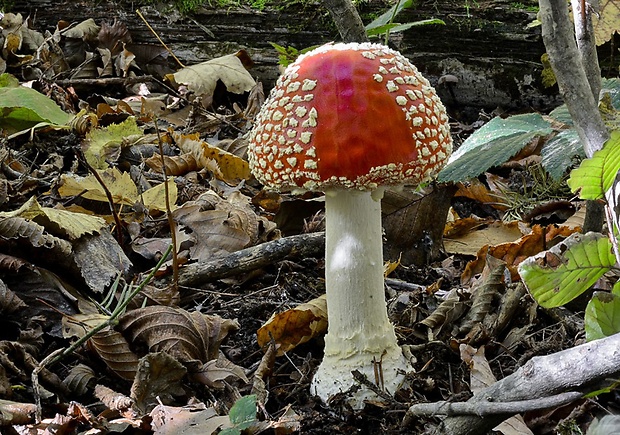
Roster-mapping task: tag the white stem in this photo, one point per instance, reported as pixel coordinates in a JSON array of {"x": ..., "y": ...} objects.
[{"x": 359, "y": 329}]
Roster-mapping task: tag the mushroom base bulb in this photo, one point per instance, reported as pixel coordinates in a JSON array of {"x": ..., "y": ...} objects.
[{"x": 334, "y": 376}]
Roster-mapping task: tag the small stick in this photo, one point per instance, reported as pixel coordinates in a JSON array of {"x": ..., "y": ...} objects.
[{"x": 158, "y": 38}]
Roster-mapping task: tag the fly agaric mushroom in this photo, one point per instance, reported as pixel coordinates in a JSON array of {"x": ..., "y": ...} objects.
[{"x": 348, "y": 119}]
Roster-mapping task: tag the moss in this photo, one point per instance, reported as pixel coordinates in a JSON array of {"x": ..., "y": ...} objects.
[{"x": 6, "y": 5}]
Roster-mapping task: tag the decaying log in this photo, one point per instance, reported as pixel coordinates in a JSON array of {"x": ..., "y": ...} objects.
[{"x": 487, "y": 46}]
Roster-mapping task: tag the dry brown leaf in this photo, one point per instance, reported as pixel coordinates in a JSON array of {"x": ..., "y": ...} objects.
[
  {"x": 448, "y": 311},
  {"x": 218, "y": 372},
  {"x": 188, "y": 420},
  {"x": 607, "y": 21},
  {"x": 293, "y": 327},
  {"x": 115, "y": 352},
  {"x": 202, "y": 78},
  {"x": 158, "y": 378},
  {"x": 476, "y": 190},
  {"x": 186, "y": 336},
  {"x": 79, "y": 378},
  {"x": 113, "y": 400},
  {"x": 214, "y": 226},
  {"x": 9, "y": 301},
  {"x": 63, "y": 223},
  {"x": 232, "y": 167},
  {"x": 479, "y": 235},
  {"x": 20, "y": 228},
  {"x": 513, "y": 253},
  {"x": 8, "y": 263},
  {"x": 175, "y": 165}
]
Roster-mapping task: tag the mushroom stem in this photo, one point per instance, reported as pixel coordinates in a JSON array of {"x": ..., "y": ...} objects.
[{"x": 359, "y": 330}]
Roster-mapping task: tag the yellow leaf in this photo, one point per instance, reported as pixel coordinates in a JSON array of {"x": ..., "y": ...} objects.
[
  {"x": 69, "y": 224},
  {"x": 120, "y": 185},
  {"x": 231, "y": 166}
]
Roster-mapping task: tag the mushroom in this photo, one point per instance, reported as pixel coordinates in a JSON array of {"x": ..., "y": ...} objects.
[{"x": 348, "y": 120}]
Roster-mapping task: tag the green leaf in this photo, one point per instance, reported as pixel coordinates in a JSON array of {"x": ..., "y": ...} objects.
[
  {"x": 8, "y": 80},
  {"x": 562, "y": 115},
  {"x": 602, "y": 317},
  {"x": 559, "y": 151},
  {"x": 612, "y": 87},
  {"x": 388, "y": 16},
  {"x": 243, "y": 413},
  {"x": 22, "y": 108},
  {"x": 596, "y": 175},
  {"x": 559, "y": 275},
  {"x": 397, "y": 27},
  {"x": 104, "y": 144},
  {"x": 493, "y": 144}
]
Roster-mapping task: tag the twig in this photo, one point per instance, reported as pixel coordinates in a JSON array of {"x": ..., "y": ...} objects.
[
  {"x": 108, "y": 194},
  {"x": 171, "y": 223},
  {"x": 248, "y": 259},
  {"x": 158, "y": 38},
  {"x": 347, "y": 20},
  {"x": 490, "y": 408},
  {"x": 584, "y": 368}
]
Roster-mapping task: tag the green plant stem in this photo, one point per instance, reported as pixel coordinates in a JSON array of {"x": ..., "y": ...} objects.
[
  {"x": 115, "y": 314},
  {"x": 387, "y": 34}
]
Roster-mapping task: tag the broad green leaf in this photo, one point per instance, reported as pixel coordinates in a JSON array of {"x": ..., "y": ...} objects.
[
  {"x": 602, "y": 317},
  {"x": 559, "y": 152},
  {"x": 22, "y": 108},
  {"x": 242, "y": 415},
  {"x": 596, "y": 175},
  {"x": 243, "y": 412},
  {"x": 8, "y": 80},
  {"x": 397, "y": 27},
  {"x": 493, "y": 144},
  {"x": 561, "y": 114},
  {"x": 388, "y": 16},
  {"x": 612, "y": 87},
  {"x": 559, "y": 275}
]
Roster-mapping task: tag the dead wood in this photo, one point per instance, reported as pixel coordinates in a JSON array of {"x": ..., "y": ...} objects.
[
  {"x": 584, "y": 369},
  {"x": 246, "y": 260}
]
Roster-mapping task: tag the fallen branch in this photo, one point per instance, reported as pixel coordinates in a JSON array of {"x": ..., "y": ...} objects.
[
  {"x": 584, "y": 369},
  {"x": 246, "y": 260},
  {"x": 487, "y": 408}
]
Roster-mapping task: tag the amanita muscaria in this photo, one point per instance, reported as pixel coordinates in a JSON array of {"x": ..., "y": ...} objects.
[{"x": 349, "y": 119}]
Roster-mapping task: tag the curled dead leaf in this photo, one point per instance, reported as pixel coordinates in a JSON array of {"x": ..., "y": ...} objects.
[
  {"x": 293, "y": 327},
  {"x": 513, "y": 253}
]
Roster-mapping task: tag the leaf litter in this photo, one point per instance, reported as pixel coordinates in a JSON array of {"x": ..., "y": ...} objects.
[{"x": 83, "y": 221}]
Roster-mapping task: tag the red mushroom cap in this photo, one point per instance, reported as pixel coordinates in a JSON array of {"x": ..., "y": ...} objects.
[{"x": 349, "y": 116}]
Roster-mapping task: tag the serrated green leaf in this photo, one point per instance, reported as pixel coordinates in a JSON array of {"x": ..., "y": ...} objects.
[
  {"x": 243, "y": 413},
  {"x": 559, "y": 151},
  {"x": 596, "y": 175},
  {"x": 559, "y": 275},
  {"x": 493, "y": 144},
  {"x": 602, "y": 317},
  {"x": 103, "y": 144},
  {"x": 22, "y": 108}
]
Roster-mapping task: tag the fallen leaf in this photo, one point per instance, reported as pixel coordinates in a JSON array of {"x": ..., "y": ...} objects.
[{"x": 293, "y": 327}]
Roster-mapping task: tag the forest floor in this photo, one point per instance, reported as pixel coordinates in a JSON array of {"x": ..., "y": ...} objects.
[{"x": 180, "y": 356}]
